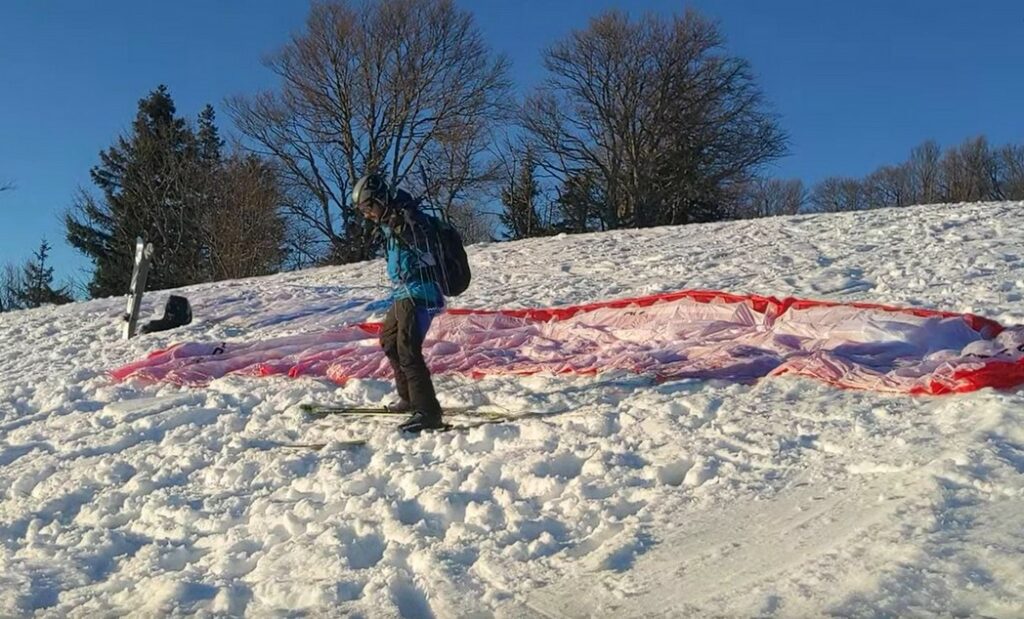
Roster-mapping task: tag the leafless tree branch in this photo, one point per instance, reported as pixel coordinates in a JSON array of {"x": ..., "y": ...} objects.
[{"x": 397, "y": 86}]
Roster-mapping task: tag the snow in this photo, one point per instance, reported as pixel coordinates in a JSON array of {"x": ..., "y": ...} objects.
[{"x": 785, "y": 497}]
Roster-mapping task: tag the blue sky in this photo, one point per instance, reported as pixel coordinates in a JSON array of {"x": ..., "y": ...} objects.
[{"x": 857, "y": 84}]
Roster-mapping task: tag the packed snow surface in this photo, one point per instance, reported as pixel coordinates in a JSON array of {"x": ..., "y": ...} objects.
[{"x": 784, "y": 497}]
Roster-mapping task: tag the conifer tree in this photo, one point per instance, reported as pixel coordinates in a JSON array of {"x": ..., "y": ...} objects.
[
  {"x": 149, "y": 188},
  {"x": 37, "y": 282},
  {"x": 169, "y": 182},
  {"x": 519, "y": 198}
]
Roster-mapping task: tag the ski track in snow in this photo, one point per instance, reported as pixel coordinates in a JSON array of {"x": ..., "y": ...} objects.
[{"x": 780, "y": 498}]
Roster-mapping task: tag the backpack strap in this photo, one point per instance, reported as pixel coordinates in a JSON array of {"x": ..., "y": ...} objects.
[{"x": 412, "y": 226}]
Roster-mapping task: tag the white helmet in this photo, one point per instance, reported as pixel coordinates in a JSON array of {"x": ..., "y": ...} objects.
[{"x": 371, "y": 187}]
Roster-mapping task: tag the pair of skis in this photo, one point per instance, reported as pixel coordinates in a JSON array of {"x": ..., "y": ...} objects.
[
  {"x": 320, "y": 411},
  {"x": 469, "y": 417},
  {"x": 143, "y": 258}
]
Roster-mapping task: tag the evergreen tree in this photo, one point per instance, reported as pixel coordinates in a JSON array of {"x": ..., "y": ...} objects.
[
  {"x": 208, "y": 215},
  {"x": 37, "y": 282},
  {"x": 148, "y": 186},
  {"x": 210, "y": 143},
  {"x": 210, "y": 184},
  {"x": 519, "y": 198},
  {"x": 580, "y": 204}
]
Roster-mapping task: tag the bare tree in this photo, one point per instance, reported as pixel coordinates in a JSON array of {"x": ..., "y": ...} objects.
[
  {"x": 762, "y": 197},
  {"x": 246, "y": 234},
  {"x": 970, "y": 172},
  {"x": 925, "y": 173},
  {"x": 1011, "y": 164},
  {"x": 11, "y": 283},
  {"x": 655, "y": 113},
  {"x": 473, "y": 225},
  {"x": 406, "y": 87},
  {"x": 890, "y": 185},
  {"x": 837, "y": 194}
]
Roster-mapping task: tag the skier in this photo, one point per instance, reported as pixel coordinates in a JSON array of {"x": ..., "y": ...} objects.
[{"x": 411, "y": 252}]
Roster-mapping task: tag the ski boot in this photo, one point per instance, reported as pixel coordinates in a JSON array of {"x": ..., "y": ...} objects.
[{"x": 420, "y": 421}]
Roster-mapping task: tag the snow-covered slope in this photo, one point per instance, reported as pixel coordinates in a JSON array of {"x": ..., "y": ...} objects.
[{"x": 782, "y": 498}]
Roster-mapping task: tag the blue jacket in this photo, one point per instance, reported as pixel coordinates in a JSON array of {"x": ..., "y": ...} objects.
[{"x": 410, "y": 249}]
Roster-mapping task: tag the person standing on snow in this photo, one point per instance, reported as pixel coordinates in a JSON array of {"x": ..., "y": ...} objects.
[{"x": 411, "y": 253}]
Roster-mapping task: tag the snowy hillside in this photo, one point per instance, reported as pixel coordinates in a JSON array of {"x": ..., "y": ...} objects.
[{"x": 785, "y": 497}]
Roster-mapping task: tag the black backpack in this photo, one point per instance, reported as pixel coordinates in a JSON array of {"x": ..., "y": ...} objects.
[
  {"x": 453, "y": 274},
  {"x": 177, "y": 313}
]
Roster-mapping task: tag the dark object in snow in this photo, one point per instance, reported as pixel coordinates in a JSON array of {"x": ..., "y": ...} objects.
[{"x": 177, "y": 313}]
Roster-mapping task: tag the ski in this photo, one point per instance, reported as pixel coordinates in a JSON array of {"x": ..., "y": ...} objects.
[
  {"x": 143, "y": 257},
  {"x": 358, "y": 442},
  {"x": 320, "y": 411},
  {"x": 339, "y": 409},
  {"x": 264, "y": 444},
  {"x": 467, "y": 417}
]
